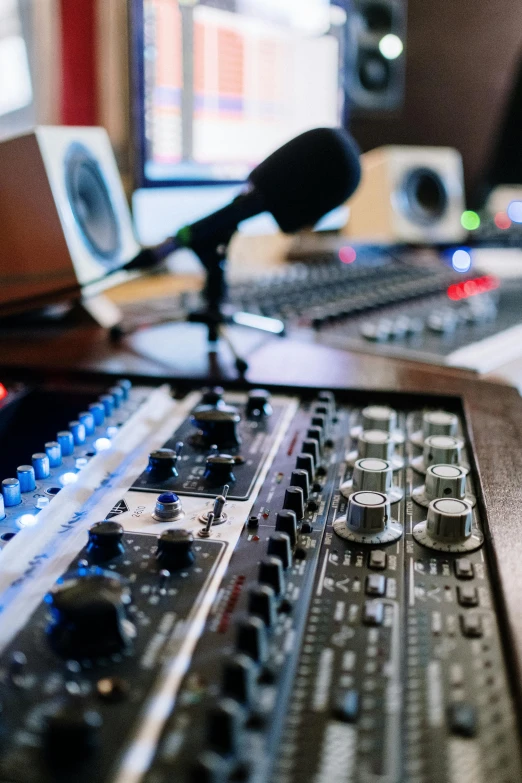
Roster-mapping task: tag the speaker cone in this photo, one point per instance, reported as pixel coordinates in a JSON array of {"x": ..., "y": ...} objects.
[
  {"x": 424, "y": 196},
  {"x": 91, "y": 202}
]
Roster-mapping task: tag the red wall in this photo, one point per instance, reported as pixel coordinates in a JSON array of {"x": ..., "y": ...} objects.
[{"x": 79, "y": 103}]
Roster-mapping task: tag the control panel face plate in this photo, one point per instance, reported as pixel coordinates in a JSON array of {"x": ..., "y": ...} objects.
[{"x": 278, "y": 651}]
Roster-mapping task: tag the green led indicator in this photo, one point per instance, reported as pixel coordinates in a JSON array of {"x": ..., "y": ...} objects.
[{"x": 470, "y": 220}]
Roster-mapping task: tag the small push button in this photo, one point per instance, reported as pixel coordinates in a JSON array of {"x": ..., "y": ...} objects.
[
  {"x": 375, "y": 584},
  {"x": 464, "y": 568},
  {"x": 346, "y": 706},
  {"x": 462, "y": 719},
  {"x": 471, "y": 625},
  {"x": 373, "y": 613},
  {"x": 377, "y": 559},
  {"x": 467, "y": 595}
]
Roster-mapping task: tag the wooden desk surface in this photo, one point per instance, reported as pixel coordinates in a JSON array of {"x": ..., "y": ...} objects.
[{"x": 180, "y": 351}]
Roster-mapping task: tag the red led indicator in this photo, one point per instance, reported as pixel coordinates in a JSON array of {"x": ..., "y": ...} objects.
[
  {"x": 502, "y": 220},
  {"x": 3, "y": 392},
  {"x": 347, "y": 254},
  {"x": 478, "y": 285}
]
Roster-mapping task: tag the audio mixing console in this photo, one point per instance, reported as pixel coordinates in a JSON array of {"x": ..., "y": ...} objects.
[
  {"x": 234, "y": 586},
  {"x": 401, "y": 303}
]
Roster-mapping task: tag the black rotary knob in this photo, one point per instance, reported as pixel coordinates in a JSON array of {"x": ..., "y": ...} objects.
[
  {"x": 225, "y": 723},
  {"x": 299, "y": 478},
  {"x": 262, "y": 602},
  {"x": 212, "y": 395},
  {"x": 311, "y": 446},
  {"x": 71, "y": 732},
  {"x": 217, "y": 426},
  {"x": 105, "y": 541},
  {"x": 286, "y": 522},
  {"x": 258, "y": 404},
  {"x": 306, "y": 462},
  {"x": 175, "y": 549},
  {"x": 219, "y": 469},
  {"x": 321, "y": 410},
  {"x": 162, "y": 464},
  {"x": 240, "y": 679},
  {"x": 319, "y": 420},
  {"x": 271, "y": 573},
  {"x": 251, "y": 638},
  {"x": 327, "y": 397},
  {"x": 316, "y": 433},
  {"x": 294, "y": 501},
  {"x": 88, "y": 615},
  {"x": 279, "y": 545}
]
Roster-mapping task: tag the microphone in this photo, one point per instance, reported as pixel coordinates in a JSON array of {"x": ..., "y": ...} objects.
[{"x": 298, "y": 183}]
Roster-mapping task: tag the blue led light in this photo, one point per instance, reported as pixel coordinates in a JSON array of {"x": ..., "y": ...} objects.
[
  {"x": 68, "y": 478},
  {"x": 514, "y": 211},
  {"x": 461, "y": 260},
  {"x": 102, "y": 444}
]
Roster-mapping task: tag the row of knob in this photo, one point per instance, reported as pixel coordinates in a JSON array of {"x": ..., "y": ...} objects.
[
  {"x": 371, "y": 490},
  {"x": 42, "y": 463}
]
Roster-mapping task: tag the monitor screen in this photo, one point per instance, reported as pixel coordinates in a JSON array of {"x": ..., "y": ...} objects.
[
  {"x": 16, "y": 90},
  {"x": 222, "y": 83}
]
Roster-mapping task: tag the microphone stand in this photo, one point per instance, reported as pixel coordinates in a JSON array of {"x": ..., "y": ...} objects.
[{"x": 212, "y": 255}]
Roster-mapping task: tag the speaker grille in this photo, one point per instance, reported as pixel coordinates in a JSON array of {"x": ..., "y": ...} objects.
[{"x": 91, "y": 203}]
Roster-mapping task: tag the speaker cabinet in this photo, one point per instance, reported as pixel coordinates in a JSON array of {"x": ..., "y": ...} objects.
[
  {"x": 408, "y": 194},
  {"x": 374, "y": 55},
  {"x": 64, "y": 216}
]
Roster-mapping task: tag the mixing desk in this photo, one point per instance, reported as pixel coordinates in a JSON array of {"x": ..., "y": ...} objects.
[
  {"x": 405, "y": 303},
  {"x": 239, "y": 586}
]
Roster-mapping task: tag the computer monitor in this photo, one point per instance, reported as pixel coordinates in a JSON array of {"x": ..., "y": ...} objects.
[
  {"x": 17, "y": 107},
  {"x": 217, "y": 86}
]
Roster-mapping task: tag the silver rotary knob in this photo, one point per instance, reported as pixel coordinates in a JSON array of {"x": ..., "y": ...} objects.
[
  {"x": 378, "y": 417},
  {"x": 443, "y": 481},
  {"x": 439, "y": 450},
  {"x": 375, "y": 475},
  {"x": 368, "y": 520},
  {"x": 449, "y": 527},
  {"x": 435, "y": 423},
  {"x": 378, "y": 444}
]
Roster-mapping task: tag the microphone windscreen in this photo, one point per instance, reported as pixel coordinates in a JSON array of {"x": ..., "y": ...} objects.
[{"x": 308, "y": 176}]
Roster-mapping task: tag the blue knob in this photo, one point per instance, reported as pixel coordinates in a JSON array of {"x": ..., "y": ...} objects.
[
  {"x": 117, "y": 393},
  {"x": 54, "y": 452},
  {"x": 2, "y": 509},
  {"x": 25, "y": 475},
  {"x": 87, "y": 419},
  {"x": 66, "y": 441},
  {"x": 11, "y": 492},
  {"x": 107, "y": 400},
  {"x": 41, "y": 465},
  {"x": 78, "y": 432},
  {"x": 98, "y": 411},
  {"x": 125, "y": 385}
]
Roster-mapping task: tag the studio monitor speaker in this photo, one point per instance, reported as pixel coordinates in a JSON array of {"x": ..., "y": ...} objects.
[
  {"x": 64, "y": 218},
  {"x": 408, "y": 195},
  {"x": 374, "y": 55}
]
